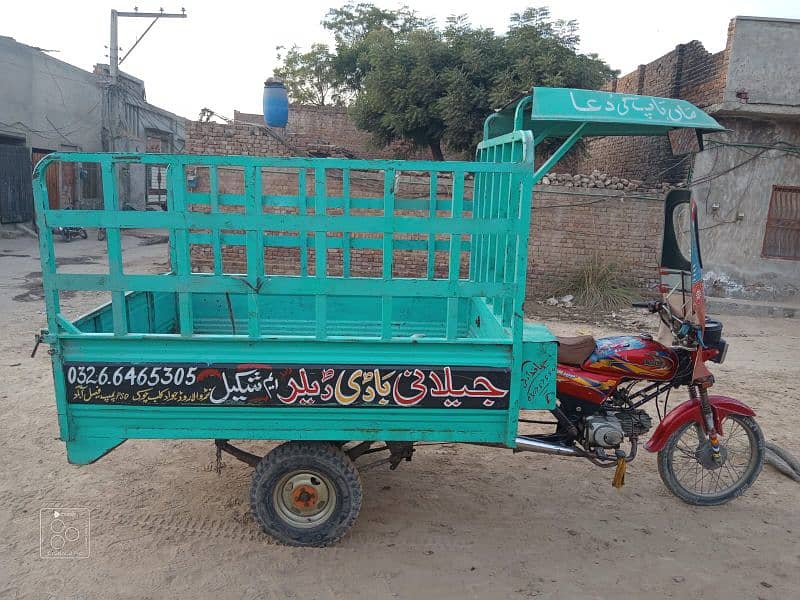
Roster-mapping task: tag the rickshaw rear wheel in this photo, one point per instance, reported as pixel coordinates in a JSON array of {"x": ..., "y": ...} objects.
[{"x": 306, "y": 494}]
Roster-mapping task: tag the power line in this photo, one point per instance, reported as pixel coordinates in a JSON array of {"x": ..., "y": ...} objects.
[{"x": 576, "y": 205}]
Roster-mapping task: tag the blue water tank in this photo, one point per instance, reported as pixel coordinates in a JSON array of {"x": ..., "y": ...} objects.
[{"x": 276, "y": 103}]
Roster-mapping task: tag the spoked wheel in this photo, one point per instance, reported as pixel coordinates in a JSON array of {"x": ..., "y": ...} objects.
[
  {"x": 688, "y": 468},
  {"x": 306, "y": 493}
]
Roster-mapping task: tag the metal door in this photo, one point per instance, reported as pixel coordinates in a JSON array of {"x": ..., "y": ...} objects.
[{"x": 16, "y": 194}]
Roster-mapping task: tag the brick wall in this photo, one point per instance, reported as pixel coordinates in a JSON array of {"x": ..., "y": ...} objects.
[
  {"x": 569, "y": 227},
  {"x": 569, "y": 224},
  {"x": 567, "y": 230},
  {"x": 329, "y": 130},
  {"x": 688, "y": 72},
  {"x": 251, "y": 140},
  {"x": 364, "y": 262}
]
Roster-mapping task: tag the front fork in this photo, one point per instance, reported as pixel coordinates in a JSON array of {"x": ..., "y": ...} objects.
[{"x": 701, "y": 393}]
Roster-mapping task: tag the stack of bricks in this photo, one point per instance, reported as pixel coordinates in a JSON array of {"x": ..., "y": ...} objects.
[{"x": 604, "y": 181}]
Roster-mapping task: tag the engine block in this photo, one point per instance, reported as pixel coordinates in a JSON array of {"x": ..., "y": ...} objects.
[{"x": 634, "y": 422}]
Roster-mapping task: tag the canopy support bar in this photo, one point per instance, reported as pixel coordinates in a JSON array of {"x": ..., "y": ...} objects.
[{"x": 558, "y": 154}]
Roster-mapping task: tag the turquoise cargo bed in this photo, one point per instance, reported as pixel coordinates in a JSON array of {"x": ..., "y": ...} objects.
[{"x": 456, "y": 325}]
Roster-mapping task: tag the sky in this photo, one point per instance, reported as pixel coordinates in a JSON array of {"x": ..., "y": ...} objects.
[{"x": 219, "y": 56}]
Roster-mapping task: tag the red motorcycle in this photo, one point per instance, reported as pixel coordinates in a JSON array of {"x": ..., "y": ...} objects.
[{"x": 710, "y": 448}]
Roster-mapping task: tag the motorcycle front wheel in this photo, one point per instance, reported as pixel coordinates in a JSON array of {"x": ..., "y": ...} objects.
[{"x": 688, "y": 469}]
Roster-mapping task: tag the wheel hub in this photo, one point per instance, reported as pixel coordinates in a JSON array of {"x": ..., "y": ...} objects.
[
  {"x": 705, "y": 456},
  {"x": 304, "y": 498}
]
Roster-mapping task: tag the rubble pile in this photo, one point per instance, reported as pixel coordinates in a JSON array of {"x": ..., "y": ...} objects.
[
  {"x": 602, "y": 181},
  {"x": 565, "y": 301}
]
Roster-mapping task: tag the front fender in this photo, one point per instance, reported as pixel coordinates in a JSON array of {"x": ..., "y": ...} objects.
[{"x": 689, "y": 411}]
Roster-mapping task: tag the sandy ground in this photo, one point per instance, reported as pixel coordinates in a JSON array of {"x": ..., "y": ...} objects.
[{"x": 457, "y": 522}]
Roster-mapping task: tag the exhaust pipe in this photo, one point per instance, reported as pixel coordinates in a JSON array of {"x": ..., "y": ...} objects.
[{"x": 535, "y": 445}]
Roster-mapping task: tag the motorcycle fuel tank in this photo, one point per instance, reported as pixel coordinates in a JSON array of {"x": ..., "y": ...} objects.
[
  {"x": 575, "y": 382},
  {"x": 632, "y": 357}
]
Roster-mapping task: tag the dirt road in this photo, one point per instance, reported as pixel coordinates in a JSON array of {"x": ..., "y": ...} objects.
[{"x": 457, "y": 522}]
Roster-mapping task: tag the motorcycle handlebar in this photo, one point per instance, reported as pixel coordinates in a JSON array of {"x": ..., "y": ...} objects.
[{"x": 680, "y": 326}]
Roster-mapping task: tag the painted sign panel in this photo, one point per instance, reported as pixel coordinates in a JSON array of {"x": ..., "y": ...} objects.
[
  {"x": 287, "y": 385},
  {"x": 588, "y": 105}
]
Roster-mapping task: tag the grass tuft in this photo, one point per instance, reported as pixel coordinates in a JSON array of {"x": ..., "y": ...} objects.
[{"x": 601, "y": 284}]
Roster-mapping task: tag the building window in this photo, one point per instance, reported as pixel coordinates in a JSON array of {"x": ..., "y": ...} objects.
[{"x": 782, "y": 235}]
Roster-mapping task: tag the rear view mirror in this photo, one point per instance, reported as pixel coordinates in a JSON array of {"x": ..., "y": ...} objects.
[
  {"x": 682, "y": 227},
  {"x": 676, "y": 241}
]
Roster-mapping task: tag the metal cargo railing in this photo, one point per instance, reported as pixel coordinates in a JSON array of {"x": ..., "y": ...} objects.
[{"x": 466, "y": 234}]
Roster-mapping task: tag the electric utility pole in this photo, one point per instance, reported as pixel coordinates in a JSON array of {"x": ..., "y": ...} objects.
[{"x": 113, "y": 48}]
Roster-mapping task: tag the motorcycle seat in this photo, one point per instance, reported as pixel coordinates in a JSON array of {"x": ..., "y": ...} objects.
[{"x": 575, "y": 350}]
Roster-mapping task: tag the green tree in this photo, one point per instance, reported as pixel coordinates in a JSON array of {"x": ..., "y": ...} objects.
[
  {"x": 400, "y": 91},
  {"x": 310, "y": 77},
  {"x": 541, "y": 51},
  {"x": 477, "y": 56},
  {"x": 352, "y": 25},
  {"x": 411, "y": 80}
]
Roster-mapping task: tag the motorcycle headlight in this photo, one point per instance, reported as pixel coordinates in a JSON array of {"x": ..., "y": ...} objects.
[{"x": 722, "y": 346}]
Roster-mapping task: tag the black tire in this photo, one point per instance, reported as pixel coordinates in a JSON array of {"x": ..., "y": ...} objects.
[
  {"x": 83, "y": 234},
  {"x": 786, "y": 456},
  {"x": 750, "y": 472},
  {"x": 101, "y": 235},
  {"x": 330, "y": 482}
]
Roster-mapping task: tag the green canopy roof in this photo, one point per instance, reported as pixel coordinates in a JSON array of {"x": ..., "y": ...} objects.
[{"x": 557, "y": 112}]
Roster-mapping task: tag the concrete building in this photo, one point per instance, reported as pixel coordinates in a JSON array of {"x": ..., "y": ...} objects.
[
  {"x": 47, "y": 105},
  {"x": 749, "y": 191}
]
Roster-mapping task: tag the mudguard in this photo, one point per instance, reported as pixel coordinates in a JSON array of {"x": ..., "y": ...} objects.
[{"x": 721, "y": 406}]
